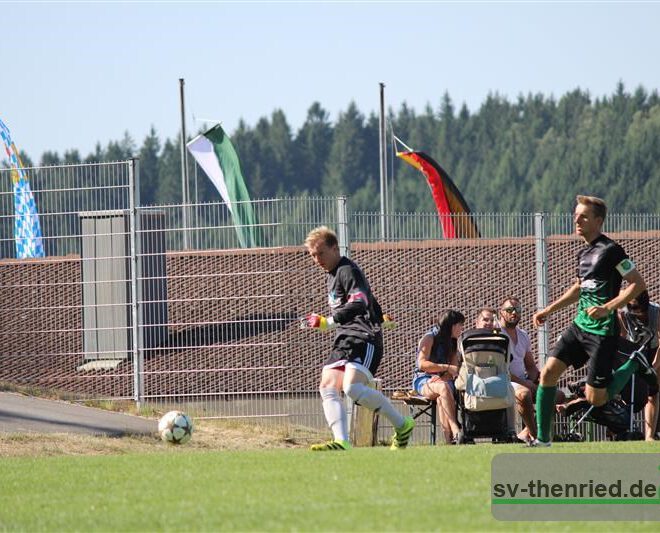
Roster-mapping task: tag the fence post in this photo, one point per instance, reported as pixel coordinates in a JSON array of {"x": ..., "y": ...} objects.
[
  {"x": 342, "y": 227},
  {"x": 345, "y": 250},
  {"x": 134, "y": 202},
  {"x": 541, "y": 259}
]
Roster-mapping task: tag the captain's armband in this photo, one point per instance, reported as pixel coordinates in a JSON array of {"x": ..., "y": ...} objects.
[{"x": 625, "y": 267}]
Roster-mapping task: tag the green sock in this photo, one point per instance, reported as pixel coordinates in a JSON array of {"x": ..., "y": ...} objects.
[
  {"x": 545, "y": 407},
  {"x": 621, "y": 377}
]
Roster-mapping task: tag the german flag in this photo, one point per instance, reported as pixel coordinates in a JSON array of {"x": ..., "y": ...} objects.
[{"x": 453, "y": 211}]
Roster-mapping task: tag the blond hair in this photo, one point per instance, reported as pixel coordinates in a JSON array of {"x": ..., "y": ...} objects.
[
  {"x": 597, "y": 205},
  {"x": 322, "y": 233}
]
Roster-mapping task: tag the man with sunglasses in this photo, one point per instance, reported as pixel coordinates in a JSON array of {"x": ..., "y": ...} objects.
[
  {"x": 522, "y": 368},
  {"x": 641, "y": 312},
  {"x": 592, "y": 336}
]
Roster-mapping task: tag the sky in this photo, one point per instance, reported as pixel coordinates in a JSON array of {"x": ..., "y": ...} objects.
[{"x": 75, "y": 74}]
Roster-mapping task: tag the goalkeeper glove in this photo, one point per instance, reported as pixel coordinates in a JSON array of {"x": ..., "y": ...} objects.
[
  {"x": 320, "y": 322},
  {"x": 388, "y": 322}
]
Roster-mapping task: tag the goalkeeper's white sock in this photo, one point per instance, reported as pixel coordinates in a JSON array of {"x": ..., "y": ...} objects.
[
  {"x": 335, "y": 414},
  {"x": 373, "y": 399}
]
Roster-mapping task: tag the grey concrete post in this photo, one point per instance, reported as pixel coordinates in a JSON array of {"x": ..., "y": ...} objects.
[
  {"x": 541, "y": 260},
  {"x": 134, "y": 202},
  {"x": 342, "y": 226}
]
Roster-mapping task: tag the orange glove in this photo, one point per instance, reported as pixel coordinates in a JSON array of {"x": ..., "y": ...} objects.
[{"x": 320, "y": 322}]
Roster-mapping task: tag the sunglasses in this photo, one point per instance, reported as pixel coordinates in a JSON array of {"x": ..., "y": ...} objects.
[{"x": 512, "y": 309}]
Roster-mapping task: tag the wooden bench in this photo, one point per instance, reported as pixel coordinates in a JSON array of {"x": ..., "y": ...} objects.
[{"x": 419, "y": 406}]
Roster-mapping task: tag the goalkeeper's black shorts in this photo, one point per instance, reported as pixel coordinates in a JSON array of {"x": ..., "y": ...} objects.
[{"x": 349, "y": 349}]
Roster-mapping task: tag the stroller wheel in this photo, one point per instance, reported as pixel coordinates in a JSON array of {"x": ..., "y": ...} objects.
[
  {"x": 574, "y": 437},
  {"x": 460, "y": 438}
]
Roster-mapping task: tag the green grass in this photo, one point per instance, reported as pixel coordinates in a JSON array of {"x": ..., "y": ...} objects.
[{"x": 420, "y": 489}]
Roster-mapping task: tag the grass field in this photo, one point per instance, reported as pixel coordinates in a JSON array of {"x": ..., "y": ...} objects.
[{"x": 371, "y": 489}]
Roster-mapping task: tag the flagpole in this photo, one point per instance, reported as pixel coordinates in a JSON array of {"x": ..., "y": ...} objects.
[
  {"x": 184, "y": 167},
  {"x": 383, "y": 164}
]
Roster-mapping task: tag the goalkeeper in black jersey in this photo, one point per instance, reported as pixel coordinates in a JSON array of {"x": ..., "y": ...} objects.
[
  {"x": 356, "y": 318},
  {"x": 592, "y": 336}
]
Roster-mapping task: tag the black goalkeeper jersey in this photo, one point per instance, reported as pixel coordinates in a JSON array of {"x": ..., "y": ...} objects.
[
  {"x": 353, "y": 306},
  {"x": 601, "y": 267}
]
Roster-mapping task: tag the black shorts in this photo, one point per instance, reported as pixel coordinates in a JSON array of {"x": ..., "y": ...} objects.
[
  {"x": 576, "y": 347},
  {"x": 348, "y": 349}
]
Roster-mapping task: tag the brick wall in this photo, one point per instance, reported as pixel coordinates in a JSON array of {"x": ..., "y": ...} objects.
[{"x": 232, "y": 314}]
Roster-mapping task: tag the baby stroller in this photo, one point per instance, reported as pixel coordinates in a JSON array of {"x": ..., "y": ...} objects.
[
  {"x": 617, "y": 415},
  {"x": 483, "y": 386}
]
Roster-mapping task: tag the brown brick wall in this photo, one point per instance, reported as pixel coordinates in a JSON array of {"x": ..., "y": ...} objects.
[{"x": 232, "y": 314}]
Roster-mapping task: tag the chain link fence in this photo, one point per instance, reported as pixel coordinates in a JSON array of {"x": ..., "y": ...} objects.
[{"x": 130, "y": 304}]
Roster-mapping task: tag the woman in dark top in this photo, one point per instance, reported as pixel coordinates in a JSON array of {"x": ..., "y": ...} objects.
[{"x": 437, "y": 367}]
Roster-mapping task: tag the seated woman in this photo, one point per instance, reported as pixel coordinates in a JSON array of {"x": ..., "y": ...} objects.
[{"x": 437, "y": 367}]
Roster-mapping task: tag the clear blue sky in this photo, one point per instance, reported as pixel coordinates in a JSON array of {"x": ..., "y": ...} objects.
[{"x": 75, "y": 74}]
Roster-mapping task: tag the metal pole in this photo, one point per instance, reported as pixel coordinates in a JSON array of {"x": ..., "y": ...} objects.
[
  {"x": 195, "y": 221},
  {"x": 184, "y": 167},
  {"x": 342, "y": 227},
  {"x": 134, "y": 224},
  {"x": 632, "y": 403},
  {"x": 383, "y": 165},
  {"x": 541, "y": 259}
]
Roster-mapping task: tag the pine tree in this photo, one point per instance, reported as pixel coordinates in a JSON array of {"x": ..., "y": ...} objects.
[
  {"x": 540, "y": 151},
  {"x": 312, "y": 149},
  {"x": 149, "y": 169},
  {"x": 169, "y": 174},
  {"x": 345, "y": 167}
]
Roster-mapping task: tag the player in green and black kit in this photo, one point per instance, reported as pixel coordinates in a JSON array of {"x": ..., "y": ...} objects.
[{"x": 592, "y": 336}]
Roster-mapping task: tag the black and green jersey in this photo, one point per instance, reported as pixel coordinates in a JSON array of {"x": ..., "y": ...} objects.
[{"x": 601, "y": 267}]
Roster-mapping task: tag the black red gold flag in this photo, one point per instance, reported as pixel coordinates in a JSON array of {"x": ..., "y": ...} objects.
[{"x": 453, "y": 211}]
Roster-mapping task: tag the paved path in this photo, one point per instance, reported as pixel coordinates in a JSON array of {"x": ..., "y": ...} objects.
[{"x": 23, "y": 414}]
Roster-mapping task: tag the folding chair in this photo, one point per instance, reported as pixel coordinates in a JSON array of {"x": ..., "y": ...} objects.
[{"x": 419, "y": 406}]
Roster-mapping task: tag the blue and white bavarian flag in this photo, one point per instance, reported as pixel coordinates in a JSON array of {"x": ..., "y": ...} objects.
[{"x": 27, "y": 230}]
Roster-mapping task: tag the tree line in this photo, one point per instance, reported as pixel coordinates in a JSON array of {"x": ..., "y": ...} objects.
[{"x": 532, "y": 154}]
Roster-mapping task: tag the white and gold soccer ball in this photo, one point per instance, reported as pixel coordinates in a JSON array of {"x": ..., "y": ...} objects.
[{"x": 175, "y": 427}]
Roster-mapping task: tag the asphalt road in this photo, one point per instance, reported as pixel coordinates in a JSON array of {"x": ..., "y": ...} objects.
[{"x": 26, "y": 414}]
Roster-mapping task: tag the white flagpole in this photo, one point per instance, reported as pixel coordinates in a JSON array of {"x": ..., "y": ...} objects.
[
  {"x": 402, "y": 143},
  {"x": 184, "y": 167},
  {"x": 383, "y": 165}
]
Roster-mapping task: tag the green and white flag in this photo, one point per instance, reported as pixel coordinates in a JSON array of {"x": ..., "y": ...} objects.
[{"x": 216, "y": 155}]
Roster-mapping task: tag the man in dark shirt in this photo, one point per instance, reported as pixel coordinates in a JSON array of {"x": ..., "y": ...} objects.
[
  {"x": 592, "y": 336},
  {"x": 357, "y": 350}
]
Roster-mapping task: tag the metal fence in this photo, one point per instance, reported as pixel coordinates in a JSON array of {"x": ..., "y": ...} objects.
[{"x": 129, "y": 304}]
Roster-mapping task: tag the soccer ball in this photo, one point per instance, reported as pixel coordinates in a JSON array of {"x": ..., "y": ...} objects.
[{"x": 175, "y": 427}]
